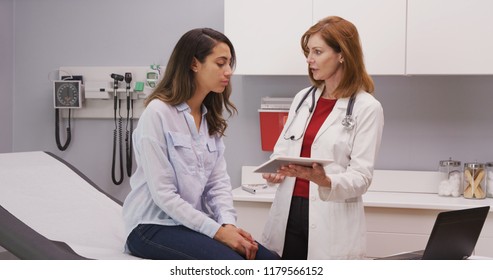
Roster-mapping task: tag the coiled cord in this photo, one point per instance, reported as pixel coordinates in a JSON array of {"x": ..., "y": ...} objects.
[
  {"x": 117, "y": 130},
  {"x": 128, "y": 137},
  {"x": 57, "y": 131}
]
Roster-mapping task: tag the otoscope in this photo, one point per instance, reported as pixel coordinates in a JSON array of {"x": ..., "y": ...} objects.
[
  {"x": 118, "y": 130},
  {"x": 128, "y": 134},
  {"x": 116, "y": 78},
  {"x": 128, "y": 80}
]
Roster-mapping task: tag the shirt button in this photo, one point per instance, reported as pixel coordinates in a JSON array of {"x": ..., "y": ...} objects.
[
  {"x": 313, "y": 198},
  {"x": 313, "y": 226}
]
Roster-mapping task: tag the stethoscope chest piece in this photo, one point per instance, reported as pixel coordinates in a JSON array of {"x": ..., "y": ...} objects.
[{"x": 348, "y": 122}]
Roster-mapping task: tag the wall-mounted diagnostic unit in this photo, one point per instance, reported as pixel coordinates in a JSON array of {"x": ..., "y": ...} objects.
[
  {"x": 116, "y": 93},
  {"x": 98, "y": 89},
  {"x": 67, "y": 94}
]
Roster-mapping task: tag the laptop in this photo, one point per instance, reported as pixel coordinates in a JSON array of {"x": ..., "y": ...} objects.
[{"x": 453, "y": 237}]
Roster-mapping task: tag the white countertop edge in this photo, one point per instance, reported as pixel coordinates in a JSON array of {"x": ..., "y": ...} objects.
[
  {"x": 387, "y": 200},
  {"x": 265, "y": 195},
  {"x": 421, "y": 201}
]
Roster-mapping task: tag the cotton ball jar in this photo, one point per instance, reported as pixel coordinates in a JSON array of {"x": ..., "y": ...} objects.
[
  {"x": 450, "y": 178},
  {"x": 489, "y": 179},
  {"x": 450, "y": 186}
]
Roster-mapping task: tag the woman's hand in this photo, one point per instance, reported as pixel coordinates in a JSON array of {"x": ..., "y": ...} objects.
[
  {"x": 315, "y": 173},
  {"x": 238, "y": 240},
  {"x": 273, "y": 178}
]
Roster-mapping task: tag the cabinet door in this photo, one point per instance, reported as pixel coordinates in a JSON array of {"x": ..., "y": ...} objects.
[
  {"x": 382, "y": 28},
  {"x": 266, "y": 35},
  {"x": 450, "y": 37}
]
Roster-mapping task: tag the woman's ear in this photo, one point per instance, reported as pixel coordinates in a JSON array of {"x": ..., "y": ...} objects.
[{"x": 194, "y": 65}]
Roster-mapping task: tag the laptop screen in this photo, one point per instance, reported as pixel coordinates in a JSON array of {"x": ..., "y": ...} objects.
[{"x": 455, "y": 234}]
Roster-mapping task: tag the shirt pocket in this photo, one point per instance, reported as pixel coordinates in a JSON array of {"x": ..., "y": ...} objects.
[
  {"x": 181, "y": 153},
  {"x": 211, "y": 155}
]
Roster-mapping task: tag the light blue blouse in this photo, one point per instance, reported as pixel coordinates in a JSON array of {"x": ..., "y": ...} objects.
[{"x": 181, "y": 176}]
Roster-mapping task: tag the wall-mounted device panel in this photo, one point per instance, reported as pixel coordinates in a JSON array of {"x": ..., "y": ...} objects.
[
  {"x": 95, "y": 96},
  {"x": 67, "y": 94}
]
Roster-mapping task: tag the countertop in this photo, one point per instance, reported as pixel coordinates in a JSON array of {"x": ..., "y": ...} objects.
[{"x": 385, "y": 199}]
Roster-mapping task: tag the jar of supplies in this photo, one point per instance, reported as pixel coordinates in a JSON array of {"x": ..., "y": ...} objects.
[
  {"x": 474, "y": 180},
  {"x": 450, "y": 178},
  {"x": 489, "y": 179}
]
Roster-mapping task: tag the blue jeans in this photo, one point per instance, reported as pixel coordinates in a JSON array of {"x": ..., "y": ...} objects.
[{"x": 151, "y": 241}]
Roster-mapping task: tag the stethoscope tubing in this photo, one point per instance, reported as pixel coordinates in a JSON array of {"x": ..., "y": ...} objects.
[
  {"x": 311, "y": 90},
  {"x": 347, "y": 121}
]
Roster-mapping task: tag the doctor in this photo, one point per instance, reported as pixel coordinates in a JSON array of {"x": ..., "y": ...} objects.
[{"x": 318, "y": 211}]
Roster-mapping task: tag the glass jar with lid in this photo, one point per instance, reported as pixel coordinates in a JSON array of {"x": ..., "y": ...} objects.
[
  {"x": 450, "y": 178},
  {"x": 474, "y": 180},
  {"x": 489, "y": 179}
]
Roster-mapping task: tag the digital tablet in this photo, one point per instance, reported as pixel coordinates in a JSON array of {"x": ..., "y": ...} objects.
[{"x": 275, "y": 163}]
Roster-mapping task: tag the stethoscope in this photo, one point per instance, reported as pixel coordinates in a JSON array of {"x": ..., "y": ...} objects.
[{"x": 347, "y": 122}]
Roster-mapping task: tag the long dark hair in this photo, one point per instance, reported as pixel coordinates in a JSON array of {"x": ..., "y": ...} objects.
[{"x": 178, "y": 83}]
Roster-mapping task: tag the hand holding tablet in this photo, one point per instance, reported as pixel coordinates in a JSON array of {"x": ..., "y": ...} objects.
[{"x": 272, "y": 165}]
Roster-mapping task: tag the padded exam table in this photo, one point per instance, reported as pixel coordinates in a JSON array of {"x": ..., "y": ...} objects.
[{"x": 50, "y": 210}]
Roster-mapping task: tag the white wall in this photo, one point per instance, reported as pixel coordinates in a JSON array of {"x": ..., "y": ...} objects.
[
  {"x": 54, "y": 33},
  {"x": 6, "y": 73},
  {"x": 428, "y": 118}
]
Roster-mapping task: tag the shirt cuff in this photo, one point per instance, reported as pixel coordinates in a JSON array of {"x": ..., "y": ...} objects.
[
  {"x": 209, "y": 228},
  {"x": 227, "y": 220}
]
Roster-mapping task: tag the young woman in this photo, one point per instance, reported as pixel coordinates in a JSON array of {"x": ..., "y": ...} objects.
[
  {"x": 180, "y": 205},
  {"x": 318, "y": 211}
]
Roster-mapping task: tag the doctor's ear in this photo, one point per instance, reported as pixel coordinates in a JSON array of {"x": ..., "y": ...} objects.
[{"x": 341, "y": 58}]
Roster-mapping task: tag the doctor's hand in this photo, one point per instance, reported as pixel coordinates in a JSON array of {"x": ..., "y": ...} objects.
[
  {"x": 238, "y": 240},
  {"x": 273, "y": 178},
  {"x": 315, "y": 173}
]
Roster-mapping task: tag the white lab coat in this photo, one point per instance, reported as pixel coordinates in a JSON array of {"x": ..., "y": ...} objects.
[{"x": 337, "y": 227}]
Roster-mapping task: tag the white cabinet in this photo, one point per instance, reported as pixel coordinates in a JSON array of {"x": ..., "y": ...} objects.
[
  {"x": 382, "y": 28},
  {"x": 396, "y": 230},
  {"x": 450, "y": 37},
  {"x": 266, "y": 35},
  {"x": 412, "y": 37}
]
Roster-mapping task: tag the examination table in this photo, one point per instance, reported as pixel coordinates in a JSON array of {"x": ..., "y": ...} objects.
[{"x": 50, "y": 210}]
